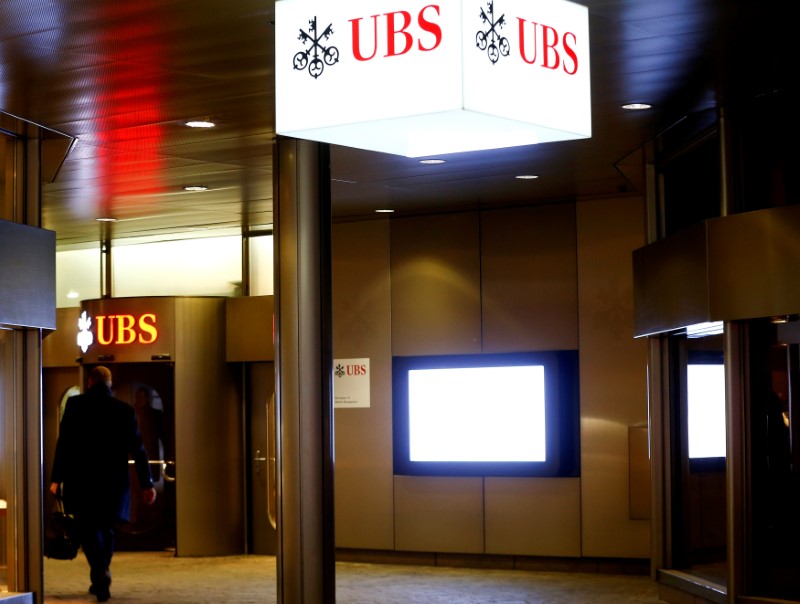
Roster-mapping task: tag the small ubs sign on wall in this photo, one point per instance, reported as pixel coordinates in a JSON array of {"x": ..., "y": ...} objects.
[
  {"x": 423, "y": 77},
  {"x": 350, "y": 383}
]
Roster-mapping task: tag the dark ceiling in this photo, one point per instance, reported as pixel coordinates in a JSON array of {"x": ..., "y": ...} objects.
[{"x": 121, "y": 79}]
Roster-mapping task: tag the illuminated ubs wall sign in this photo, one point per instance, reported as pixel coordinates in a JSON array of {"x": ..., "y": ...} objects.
[
  {"x": 420, "y": 78},
  {"x": 126, "y": 329},
  {"x": 122, "y": 329}
]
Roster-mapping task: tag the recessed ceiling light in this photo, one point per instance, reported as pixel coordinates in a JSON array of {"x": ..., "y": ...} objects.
[
  {"x": 72, "y": 294},
  {"x": 200, "y": 124},
  {"x": 195, "y": 188},
  {"x": 384, "y": 211},
  {"x": 636, "y": 106},
  {"x": 431, "y": 161},
  {"x": 527, "y": 177},
  {"x": 105, "y": 219}
]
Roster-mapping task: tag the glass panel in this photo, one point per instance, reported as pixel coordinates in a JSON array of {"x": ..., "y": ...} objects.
[
  {"x": 77, "y": 276},
  {"x": 190, "y": 267},
  {"x": 6, "y": 376},
  {"x": 261, "y": 266},
  {"x": 7, "y": 144},
  {"x": 774, "y": 362},
  {"x": 6, "y": 203},
  {"x": 698, "y": 457}
]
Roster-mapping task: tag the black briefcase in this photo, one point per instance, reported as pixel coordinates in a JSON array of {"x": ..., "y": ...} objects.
[{"x": 60, "y": 534}]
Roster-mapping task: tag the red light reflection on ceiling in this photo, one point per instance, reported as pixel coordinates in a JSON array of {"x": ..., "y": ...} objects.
[{"x": 129, "y": 106}]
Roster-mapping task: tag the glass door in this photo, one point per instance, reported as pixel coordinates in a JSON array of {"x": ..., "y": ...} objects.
[
  {"x": 774, "y": 459},
  {"x": 698, "y": 451}
]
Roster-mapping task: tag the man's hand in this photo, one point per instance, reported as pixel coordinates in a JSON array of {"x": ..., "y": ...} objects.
[
  {"x": 149, "y": 496},
  {"x": 54, "y": 488}
]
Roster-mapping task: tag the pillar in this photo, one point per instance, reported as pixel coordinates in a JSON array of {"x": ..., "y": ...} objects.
[{"x": 304, "y": 362}]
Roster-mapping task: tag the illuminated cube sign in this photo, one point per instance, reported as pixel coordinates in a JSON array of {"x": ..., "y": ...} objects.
[{"x": 420, "y": 78}]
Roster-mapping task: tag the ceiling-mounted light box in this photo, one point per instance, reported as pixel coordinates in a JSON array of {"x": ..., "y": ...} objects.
[{"x": 419, "y": 78}]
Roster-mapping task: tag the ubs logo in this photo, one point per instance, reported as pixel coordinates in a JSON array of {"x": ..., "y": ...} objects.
[
  {"x": 393, "y": 32},
  {"x": 310, "y": 57},
  {"x": 117, "y": 329},
  {"x": 396, "y": 33},
  {"x": 85, "y": 337},
  {"x": 350, "y": 370},
  {"x": 538, "y": 43},
  {"x": 490, "y": 40}
]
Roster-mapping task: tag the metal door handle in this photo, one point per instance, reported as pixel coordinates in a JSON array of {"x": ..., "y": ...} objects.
[
  {"x": 258, "y": 459},
  {"x": 272, "y": 449}
]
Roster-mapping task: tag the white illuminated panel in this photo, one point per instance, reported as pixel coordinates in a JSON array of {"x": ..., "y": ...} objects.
[
  {"x": 421, "y": 78},
  {"x": 706, "y": 410},
  {"x": 485, "y": 414}
]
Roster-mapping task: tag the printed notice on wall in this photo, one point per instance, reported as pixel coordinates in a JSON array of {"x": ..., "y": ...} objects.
[{"x": 350, "y": 383}]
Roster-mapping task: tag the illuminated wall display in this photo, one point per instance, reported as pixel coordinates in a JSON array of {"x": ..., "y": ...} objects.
[
  {"x": 504, "y": 414},
  {"x": 419, "y": 78}
]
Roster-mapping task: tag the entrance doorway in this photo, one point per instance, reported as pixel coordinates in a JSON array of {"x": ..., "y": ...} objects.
[{"x": 149, "y": 389}]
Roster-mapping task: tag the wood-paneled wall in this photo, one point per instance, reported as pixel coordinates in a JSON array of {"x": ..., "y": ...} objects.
[
  {"x": 537, "y": 278},
  {"x": 363, "y": 492}
]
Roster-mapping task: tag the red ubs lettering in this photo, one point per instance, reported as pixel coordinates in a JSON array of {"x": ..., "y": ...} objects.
[
  {"x": 125, "y": 329},
  {"x": 356, "y": 369},
  {"x": 399, "y": 40},
  {"x": 544, "y": 48}
]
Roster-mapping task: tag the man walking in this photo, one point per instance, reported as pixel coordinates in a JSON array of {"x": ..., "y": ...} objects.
[{"x": 97, "y": 436}]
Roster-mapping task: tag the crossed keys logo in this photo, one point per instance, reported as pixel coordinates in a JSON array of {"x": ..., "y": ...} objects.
[
  {"x": 339, "y": 370},
  {"x": 310, "y": 57},
  {"x": 490, "y": 40}
]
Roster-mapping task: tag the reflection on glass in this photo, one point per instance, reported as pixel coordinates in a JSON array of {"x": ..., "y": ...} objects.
[{"x": 706, "y": 410}]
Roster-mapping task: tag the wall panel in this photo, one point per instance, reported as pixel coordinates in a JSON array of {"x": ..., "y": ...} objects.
[
  {"x": 436, "y": 270},
  {"x": 363, "y": 436},
  {"x": 533, "y": 516},
  {"x": 436, "y": 514},
  {"x": 613, "y": 375},
  {"x": 60, "y": 347},
  {"x": 529, "y": 279}
]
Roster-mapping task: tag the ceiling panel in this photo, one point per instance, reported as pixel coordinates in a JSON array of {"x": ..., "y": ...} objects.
[{"x": 121, "y": 78}]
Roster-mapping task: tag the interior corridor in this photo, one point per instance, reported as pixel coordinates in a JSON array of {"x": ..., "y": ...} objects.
[{"x": 147, "y": 577}]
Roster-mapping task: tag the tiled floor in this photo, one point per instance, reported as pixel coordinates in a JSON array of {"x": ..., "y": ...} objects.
[{"x": 153, "y": 578}]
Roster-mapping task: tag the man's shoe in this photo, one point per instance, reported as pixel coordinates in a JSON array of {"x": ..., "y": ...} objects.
[{"x": 101, "y": 593}]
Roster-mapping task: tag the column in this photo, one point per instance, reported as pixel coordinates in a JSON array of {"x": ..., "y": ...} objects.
[{"x": 304, "y": 360}]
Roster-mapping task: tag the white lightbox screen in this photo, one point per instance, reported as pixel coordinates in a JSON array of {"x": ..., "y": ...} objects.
[
  {"x": 477, "y": 414},
  {"x": 706, "y": 410}
]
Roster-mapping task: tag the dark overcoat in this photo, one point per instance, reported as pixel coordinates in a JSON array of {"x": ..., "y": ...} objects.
[{"x": 97, "y": 436}]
